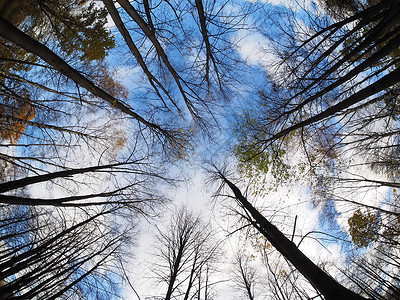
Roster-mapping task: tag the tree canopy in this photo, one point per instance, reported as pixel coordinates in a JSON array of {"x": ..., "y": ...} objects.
[{"x": 107, "y": 109}]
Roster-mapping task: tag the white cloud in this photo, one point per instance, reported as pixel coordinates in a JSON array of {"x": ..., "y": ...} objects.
[
  {"x": 290, "y": 4},
  {"x": 254, "y": 48}
]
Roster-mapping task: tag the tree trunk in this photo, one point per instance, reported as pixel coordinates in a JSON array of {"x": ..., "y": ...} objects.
[
  {"x": 321, "y": 281},
  {"x": 13, "y": 34}
]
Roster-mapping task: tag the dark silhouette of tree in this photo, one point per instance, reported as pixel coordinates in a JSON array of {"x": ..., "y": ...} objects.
[
  {"x": 185, "y": 257},
  {"x": 170, "y": 33},
  {"x": 43, "y": 255},
  {"x": 334, "y": 100},
  {"x": 321, "y": 281},
  {"x": 74, "y": 244},
  {"x": 318, "y": 84},
  {"x": 245, "y": 275},
  {"x": 21, "y": 39}
]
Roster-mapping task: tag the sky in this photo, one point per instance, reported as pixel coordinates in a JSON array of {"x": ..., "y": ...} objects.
[{"x": 253, "y": 48}]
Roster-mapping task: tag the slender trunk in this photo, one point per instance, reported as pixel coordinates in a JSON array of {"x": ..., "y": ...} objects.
[
  {"x": 155, "y": 83},
  {"x": 246, "y": 282},
  {"x": 13, "y": 34},
  {"x": 174, "y": 273},
  {"x": 385, "y": 82},
  {"x": 191, "y": 279},
  {"x": 19, "y": 183},
  {"x": 209, "y": 53}
]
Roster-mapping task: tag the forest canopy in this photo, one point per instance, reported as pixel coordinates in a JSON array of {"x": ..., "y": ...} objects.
[{"x": 110, "y": 110}]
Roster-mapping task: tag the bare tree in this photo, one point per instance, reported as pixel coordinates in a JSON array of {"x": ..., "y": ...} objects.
[
  {"x": 187, "y": 250},
  {"x": 21, "y": 39},
  {"x": 245, "y": 275},
  {"x": 314, "y": 99}
]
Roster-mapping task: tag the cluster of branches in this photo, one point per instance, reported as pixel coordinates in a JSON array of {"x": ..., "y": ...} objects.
[
  {"x": 188, "y": 85},
  {"x": 191, "y": 43},
  {"x": 72, "y": 245},
  {"x": 44, "y": 255},
  {"x": 186, "y": 254},
  {"x": 334, "y": 87}
]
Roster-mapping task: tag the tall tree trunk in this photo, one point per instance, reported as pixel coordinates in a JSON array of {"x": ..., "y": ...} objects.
[
  {"x": 13, "y": 34},
  {"x": 19, "y": 183},
  {"x": 174, "y": 273},
  {"x": 321, "y": 281}
]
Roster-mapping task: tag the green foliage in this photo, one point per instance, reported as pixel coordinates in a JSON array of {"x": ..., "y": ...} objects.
[
  {"x": 74, "y": 29},
  {"x": 84, "y": 33},
  {"x": 364, "y": 228},
  {"x": 78, "y": 27},
  {"x": 256, "y": 163}
]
